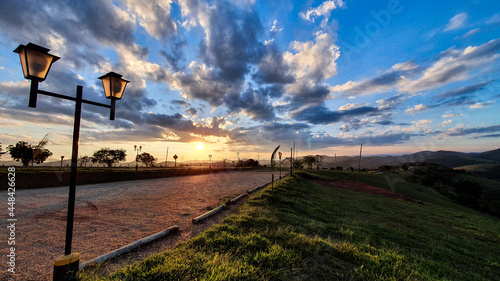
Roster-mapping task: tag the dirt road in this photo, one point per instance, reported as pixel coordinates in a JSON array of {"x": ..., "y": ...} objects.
[{"x": 111, "y": 215}]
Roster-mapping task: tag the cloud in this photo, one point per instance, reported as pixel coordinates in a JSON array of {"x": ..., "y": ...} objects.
[
  {"x": 154, "y": 16},
  {"x": 405, "y": 66},
  {"x": 176, "y": 56},
  {"x": 465, "y": 90},
  {"x": 456, "y": 22},
  {"x": 380, "y": 83},
  {"x": 481, "y": 104},
  {"x": 377, "y": 84},
  {"x": 322, "y": 10},
  {"x": 192, "y": 111},
  {"x": 232, "y": 42},
  {"x": 476, "y": 130},
  {"x": 255, "y": 103},
  {"x": 181, "y": 103},
  {"x": 452, "y": 65},
  {"x": 303, "y": 94},
  {"x": 273, "y": 68},
  {"x": 445, "y": 123},
  {"x": 353, "y": 125},
  {"x": 471, "y": 32},
  {"x": 320, "y": 114},
  {"x": 203, "y": 83},
  {"x": 314, "y": 60},
  {"x": 417, "y": 108},
  {"x": 391, "y": 103},
  {"x": 276, "y": 28},
  {"x": 494, "y": 20},
  {"x": 352, "y": 106},
  {"x": 451, "y": 115}
]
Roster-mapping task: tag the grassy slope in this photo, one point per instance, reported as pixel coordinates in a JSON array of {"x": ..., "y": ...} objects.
[{"x": 306, "y": 231}]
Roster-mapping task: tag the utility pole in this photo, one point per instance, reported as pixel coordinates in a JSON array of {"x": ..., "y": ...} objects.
[{"x": 166, "y": 159}]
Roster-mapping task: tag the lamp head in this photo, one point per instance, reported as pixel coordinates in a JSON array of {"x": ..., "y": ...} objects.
[
  {"x": 35, "y": 60},
  {"x": 114, "y": 85}
]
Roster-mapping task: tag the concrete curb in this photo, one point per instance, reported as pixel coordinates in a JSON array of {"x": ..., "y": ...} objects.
[
  {"x": 130, "y": 247},
  {"x": 237, "y": 198},
  {"x": 208, "y": 214}
]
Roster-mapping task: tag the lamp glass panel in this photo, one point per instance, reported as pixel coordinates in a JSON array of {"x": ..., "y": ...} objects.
[
  {"x": 106, "y": 85},
  {"x": 22, "y": 56},
  {"x": 38, "y": 63},
  {"x": 117, "y": 87}
]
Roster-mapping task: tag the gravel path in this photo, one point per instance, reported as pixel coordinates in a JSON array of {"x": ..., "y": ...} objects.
[{"x": 111, "y": 215}]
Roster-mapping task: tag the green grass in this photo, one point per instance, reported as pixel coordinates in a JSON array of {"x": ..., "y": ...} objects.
[{"x": 305, "y": 231}]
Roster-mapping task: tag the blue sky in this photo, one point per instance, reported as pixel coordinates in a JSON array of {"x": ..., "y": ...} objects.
[{"x": 246, "y": 76}]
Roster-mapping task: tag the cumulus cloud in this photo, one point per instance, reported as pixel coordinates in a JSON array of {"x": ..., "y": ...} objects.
[
  {"x": 203, "y": 83},
  {"x": 232, "y": 43},
  {"x": 456, "y": 22},
  {"x": 416, "y": 108},
  {"x": 314, "y": 60},
  {"x": 445, "y": 123},
  {"x": 255, "y": 103},
  {"x": 154, "y": 16},
  {"x": 273, "y": 68},
  {"x": 322, "y": 10}
]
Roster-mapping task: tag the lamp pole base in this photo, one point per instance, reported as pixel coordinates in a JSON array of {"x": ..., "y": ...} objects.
[{"x": 66, "y": 267}]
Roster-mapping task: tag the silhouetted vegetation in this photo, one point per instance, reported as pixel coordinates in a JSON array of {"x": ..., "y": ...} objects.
[
  {"x": 108, "y": 156},
  {"x": 147, "y": 159},
  {"x": 1, "y": 152},
  {"x": 247, "y": 163},
  {"x": 27, "y": 153}
]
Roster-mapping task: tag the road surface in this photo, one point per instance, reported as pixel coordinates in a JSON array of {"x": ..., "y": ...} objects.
[{"x": 111, "y": 215}]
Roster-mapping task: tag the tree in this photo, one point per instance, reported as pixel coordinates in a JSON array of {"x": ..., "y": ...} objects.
[
  {"x": 251, "y": 163},
  {"x": 298, "y": 164},
  {"x": 1, "y": 153},
  {"x": 27, "y": 153},
  {"x": 147, "y": 159},
  {"x": 108, "y": 156},
  {"x": 83, "y": 160},
  {"x": 319, "y": 161},
  {"x": 309, "y": 160}
]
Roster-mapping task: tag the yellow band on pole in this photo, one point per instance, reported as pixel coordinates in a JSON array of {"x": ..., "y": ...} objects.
[{"x": 66, "y": 259}]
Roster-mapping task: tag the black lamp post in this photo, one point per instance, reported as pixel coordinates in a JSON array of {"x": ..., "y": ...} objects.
[
  {"x": 137, "y": 156},
  {"x": 36, "y": 62},
  {"x": 210, "y": 161}
]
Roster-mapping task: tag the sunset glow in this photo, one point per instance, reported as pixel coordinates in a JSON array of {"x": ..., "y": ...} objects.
[{"x": 199, "y": 146}]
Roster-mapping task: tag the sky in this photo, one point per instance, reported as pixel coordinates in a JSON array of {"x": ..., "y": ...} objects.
[{"x": 238, "y": 78}]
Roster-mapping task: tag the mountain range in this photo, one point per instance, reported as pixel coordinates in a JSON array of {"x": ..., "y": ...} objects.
[{"x": 450, "y": 159}]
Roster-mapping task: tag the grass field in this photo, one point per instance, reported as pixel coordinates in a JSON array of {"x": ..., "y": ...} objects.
[{"x": 306, "y": 231}]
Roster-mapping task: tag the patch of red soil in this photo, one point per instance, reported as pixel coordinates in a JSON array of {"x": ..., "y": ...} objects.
[{"x": 361, "y": 187}]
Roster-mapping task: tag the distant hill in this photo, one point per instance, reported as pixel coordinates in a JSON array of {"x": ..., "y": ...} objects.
[{"x": 450, "y": 159}]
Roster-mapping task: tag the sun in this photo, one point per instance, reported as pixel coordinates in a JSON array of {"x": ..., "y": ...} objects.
[{"x": 199, "y": 146}]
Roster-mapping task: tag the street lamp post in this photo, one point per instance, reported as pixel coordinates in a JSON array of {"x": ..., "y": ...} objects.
[
  {"x": 62, "y": 157},
  {"x": 279, "y": 153},
  {"x": 36, "y": 62},
  {"x": 137, "y": 156},
  {"x": 210, "y": 161}
]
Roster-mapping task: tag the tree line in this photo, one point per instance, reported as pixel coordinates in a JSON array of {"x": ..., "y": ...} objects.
[{"x": 36, "y": 154}]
